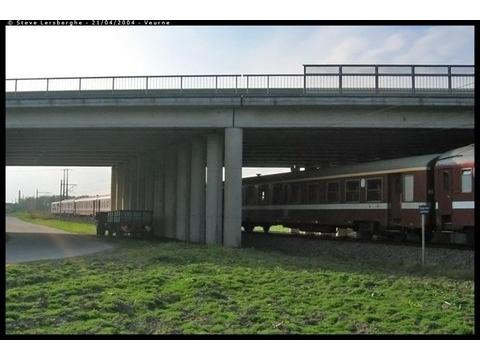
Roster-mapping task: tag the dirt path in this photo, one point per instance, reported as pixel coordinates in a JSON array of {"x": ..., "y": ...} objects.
[{"x": 30, "y": 242}]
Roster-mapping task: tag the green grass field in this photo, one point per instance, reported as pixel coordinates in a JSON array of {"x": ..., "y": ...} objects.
[
  {"x": 170, "y": 287},
  {"x": 74, "y": 226}
]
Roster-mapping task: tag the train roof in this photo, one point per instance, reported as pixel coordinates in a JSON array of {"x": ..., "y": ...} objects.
[
  {"x": 411, "y": 163},
  {"x": 99, "y": 197},
  {"x": 462, "y": 155}
]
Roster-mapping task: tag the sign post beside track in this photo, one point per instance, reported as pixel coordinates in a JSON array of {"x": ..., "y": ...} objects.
[{"x": 424, "y": 210}]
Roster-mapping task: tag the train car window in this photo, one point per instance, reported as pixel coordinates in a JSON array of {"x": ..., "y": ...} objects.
[
  {"x": 312, "y": 193},
  {"x": 322, "y": 193},
  {"x": 352, "y": 191},
  {"x": 250, "y": 196},
  {"x": 466, "y": 180},
  {"x": 374, "y": 190},
  {"x": 294, "y": 193},
  {"x": 333, "y": 192},
  {"x": 408, "y": 188},
  {"x": 278, "y": 194},
  {"x": 446, "y": 181}
]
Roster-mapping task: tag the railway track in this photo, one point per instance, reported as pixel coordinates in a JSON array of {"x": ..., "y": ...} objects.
[
  {"x": 349, "y": 239},
  {"x": 344, "y": 249}
]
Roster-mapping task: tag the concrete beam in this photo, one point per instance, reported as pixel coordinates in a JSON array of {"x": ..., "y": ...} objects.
[
  {"x": 170, "y": 193},
  {"x": 117, "y": 117},
  {"x": 355, "y": 117},
  {"x": 183, "y": 191},
  {"x": 232, "y": 232},
  {"x": 214, "y": 191},
  {"x": 197, "y": 192}
]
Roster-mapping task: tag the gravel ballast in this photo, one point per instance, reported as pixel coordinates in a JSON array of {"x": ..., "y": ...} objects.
[{"x": 451, "y": 258}]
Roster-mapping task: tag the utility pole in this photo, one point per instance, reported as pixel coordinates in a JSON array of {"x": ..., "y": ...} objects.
[
  {"x": 19, "y": 195},
  {"x": 61, "y": 188},
  {"x": 36, "y": 197}
]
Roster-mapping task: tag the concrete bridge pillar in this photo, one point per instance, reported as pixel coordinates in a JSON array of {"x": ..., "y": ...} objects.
[
  {"x": 183, "y": 191},
  {"x": 197, "y": 192},
  {"x": 120, "y": 186},
  {"x": 214, "y": 199},
  {"x": 149, "y": 180},
  {"x": 232, "y": 233},
  {"x": 141, "y": 182},
  {"x": 159, "y": 196},
  {"x": 133, "y": 184},
  {"x": 113, "y": 187},
  {"x": 170, "y": 191},
  {"x": 126, "y": 185}
]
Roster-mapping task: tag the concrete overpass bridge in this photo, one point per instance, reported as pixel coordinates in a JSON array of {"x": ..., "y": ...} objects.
[{"x": 169, "y": 138}]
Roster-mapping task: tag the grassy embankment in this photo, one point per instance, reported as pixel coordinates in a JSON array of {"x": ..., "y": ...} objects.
[
  {"x": 71, "y": 225},
  {"x": 168, "y": 287}
]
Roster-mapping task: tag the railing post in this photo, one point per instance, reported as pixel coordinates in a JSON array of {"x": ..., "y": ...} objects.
[
  {"x": 80, "y": 84},
  {"x": 181, "y": 84},
  {"x": 146, "y": 83},
  {"x": 247, "y": 82},
  {"x": 113, "y": 84},
  {"x": 449, "y": 78},
  {"x": 236, "y": 84},
  {"x": 340, "y": 85},
  {"x": 16, "y": 85},
  {"x": 376, "y": 78},
  {"x": 413, "y": 78},
  {"x": 268, "y": 84},
  {"x": 216, "y": 83},
  {"x": 47, "y": 84}
]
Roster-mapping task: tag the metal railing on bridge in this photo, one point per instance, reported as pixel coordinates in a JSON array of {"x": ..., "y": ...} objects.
[{"x": 316, "y": 79}]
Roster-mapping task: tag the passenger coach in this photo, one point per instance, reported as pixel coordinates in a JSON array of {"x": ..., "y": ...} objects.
[
  {"x": 87, "y": 206},
  {"x": 368, "y": 197}
]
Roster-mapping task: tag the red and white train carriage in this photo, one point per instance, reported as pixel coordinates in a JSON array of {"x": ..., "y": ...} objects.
[
  {"x": 87, "y": 206},
  {"x": 369, "y": 197}
]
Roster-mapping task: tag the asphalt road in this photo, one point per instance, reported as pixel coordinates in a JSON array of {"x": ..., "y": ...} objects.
[{"x": 30, "y": 242}]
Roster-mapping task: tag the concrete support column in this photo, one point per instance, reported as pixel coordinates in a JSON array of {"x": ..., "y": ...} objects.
[
  {"x": 197, "y": 192},
  {"x": 126, "y": 186},
  {"x": 159, "y": 197},
  {"x": 232, "y": 232},
  {"x": 120, "y": 186},
  {"x": 133, "y": 184},
  {"x": 183, "y": 192},
  {"x": 113, "y": 187},
  {"x": 141, "y": 183},
  {"x": 170, "y": 191},
  {"x": 149, "y": 183},
  {"x": 214, "y": 199}
]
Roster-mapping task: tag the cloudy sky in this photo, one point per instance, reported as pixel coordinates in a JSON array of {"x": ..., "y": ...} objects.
[{"x": 95, "y": 51}]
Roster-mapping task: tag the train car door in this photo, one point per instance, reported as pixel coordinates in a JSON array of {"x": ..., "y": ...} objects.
[
  {"x": 395, "y": 197},
  {"x": 444, "y": 196}
]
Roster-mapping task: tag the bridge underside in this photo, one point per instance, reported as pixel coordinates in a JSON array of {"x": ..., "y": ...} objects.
[
  {"x": 168, "y": 155},
  {"x": 261, "y": 147}
]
